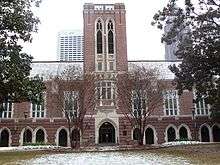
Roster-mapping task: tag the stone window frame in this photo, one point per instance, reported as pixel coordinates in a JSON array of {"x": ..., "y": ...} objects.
[
  {"x": 74, "y": 99},
  {"x": 108, "y": 88},
  {"x": 38, "y": 109},
  {"x": 136, "y": 109},
  {"x": 111, "y": 56},
  {"x": 201, "y": 108},
  {"x": 8, "y": 112},
  {"x": 171, "y": 103},
  {"x": 99, "y": 27},
  {"x": 99, "y": 65},
  {"x": 110, "y": 28}
]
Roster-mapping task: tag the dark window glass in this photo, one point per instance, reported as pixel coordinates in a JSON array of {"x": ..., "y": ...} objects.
[
  {"x": 99, "y": 66},
  {"x": 110, "y": 42},
  {"x": 99, "y": 42},
  {"x": 108, "y": 93}
]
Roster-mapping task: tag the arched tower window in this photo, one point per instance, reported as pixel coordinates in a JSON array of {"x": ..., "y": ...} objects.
[
  {"x": 110, "y": 37},
  {"x": 99, "y": 37}
]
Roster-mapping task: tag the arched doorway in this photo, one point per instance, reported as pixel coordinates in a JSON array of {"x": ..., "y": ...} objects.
[
  {"x": 149, "y": 136},
  {"x": 183, "y": 133},
  {"x": 4, "y": 139},
  {"x": 107, "y": 133},
  {"x": 40, "y": 136},
  {"x": 216, "y": 133},
  {"x": 136, "y": 134},
  {"x": 205, "y": 134},
  {"x": 62, "y": 138},
  {"x": 171, "y": 134},
  {"x": 27, "y": 136}
]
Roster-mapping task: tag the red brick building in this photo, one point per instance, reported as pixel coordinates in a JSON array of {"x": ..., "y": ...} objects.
[{"x": 105, "y": 54}]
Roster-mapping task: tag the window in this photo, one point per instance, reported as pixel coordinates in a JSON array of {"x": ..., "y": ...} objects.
[
  {"x": 38, "y": 110},
  {"x": 6, "y": 110},
  {"x": 110, "y": 38},
  {"x": 99, "y": 37},
  {"x": 111, "y": 66},
  {"x": 99, "y": 42},
  {"x": 105, "y": 90},
  {"x": 171, "y": 104},
  {"x": 99, "y": 66},
  {"x": 71, "y": 103},
  {"x": 201, "y": 107},
  {"x": 139, "y": 104}
]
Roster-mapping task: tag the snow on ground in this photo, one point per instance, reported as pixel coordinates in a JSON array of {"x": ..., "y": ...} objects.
[
  {"x": 106, "y": 148},
  {"x": 29, "y": 148},
  {"x": 177, "y": 143},
  {"x": 108, "y": 158}
]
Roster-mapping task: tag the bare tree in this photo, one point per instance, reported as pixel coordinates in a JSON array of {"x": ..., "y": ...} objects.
[
  {"x": 75, "y": 96},
  {"x": 139, "y": 94}
]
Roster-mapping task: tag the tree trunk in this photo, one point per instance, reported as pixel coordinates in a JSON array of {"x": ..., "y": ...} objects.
[
  {"x": 141, "y": 139},
  {"x": 70, "y": 134}
]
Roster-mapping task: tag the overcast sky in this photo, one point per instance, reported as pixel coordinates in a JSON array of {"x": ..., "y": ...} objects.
[{"x": 57, "y": 15}]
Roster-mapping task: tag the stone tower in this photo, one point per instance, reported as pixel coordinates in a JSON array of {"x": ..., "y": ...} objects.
[
  {"x": 105, "y": 54},
  {"x": 105, "y": 45}
]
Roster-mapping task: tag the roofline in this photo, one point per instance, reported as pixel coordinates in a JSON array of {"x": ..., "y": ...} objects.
[
  {"x": 57, "y": 61},
  {"x": 154, "y": 60},
  {"x": 128, "y": 61}
]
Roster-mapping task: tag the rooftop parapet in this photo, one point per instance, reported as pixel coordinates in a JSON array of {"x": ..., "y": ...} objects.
[{"x": 104, "y": 7}]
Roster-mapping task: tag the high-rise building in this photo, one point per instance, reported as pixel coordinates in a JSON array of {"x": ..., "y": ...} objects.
[{"x": 70, "y": 46}]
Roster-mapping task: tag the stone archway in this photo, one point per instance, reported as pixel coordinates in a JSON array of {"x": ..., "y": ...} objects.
[
  {"x": 205, "y": 137},
  {"x": 136, "y": 134},
  {"x": 216, "y": 133},
  {"x": 149, "y": 136},
  {"x": 27, "y": 136},
  {"x": 171, "y": 134},
  {"x": 40, "y": 136},
  {"x": 107, "y": 133},
  {"x": 4, "y": 138},
  {"x": 183, "y": 133},
  {"x": 62, "y": 138}
]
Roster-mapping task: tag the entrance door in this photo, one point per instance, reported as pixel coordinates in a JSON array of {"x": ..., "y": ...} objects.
[
  {"x": 40, "y": 137},
  {"x": 4, "y": 139},
  {"x": 171, "y": 134},
  {"x": 107, "y": 133},
  {"x": 183, "y": 133},
  {"x": 149, "y": 136},
  {"x": 27, "y": 136},
  {"x": 63, "y": 138},
  {"x": 205, "y": 134}
]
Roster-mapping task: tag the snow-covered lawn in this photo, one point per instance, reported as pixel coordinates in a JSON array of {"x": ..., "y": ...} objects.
[
  {"x": 107, "y": 148},
  {"x": 163, "y": 156},
  {"x": 108, "y": 158}
]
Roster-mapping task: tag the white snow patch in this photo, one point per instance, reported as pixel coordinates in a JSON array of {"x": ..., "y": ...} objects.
[
  {"x": 178, "y": 143},
  {"x": 108, "y": 158}
]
